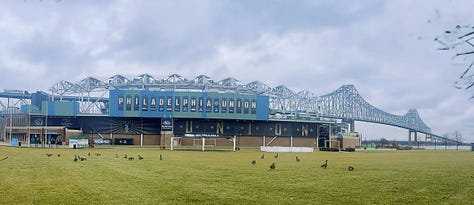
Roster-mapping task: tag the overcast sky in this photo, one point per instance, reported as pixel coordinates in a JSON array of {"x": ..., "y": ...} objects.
[{"x": 384, "y": 48}]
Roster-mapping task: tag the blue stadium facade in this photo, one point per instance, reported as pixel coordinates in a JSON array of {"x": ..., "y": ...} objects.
[{"x": 146, "y": 111}]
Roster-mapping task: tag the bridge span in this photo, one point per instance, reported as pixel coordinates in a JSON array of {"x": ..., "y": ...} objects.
[{"x": 346, "y": 103}]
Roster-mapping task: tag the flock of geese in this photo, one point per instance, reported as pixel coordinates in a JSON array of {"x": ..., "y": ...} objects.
[
  {"x": 129, "y": 157},
  {"x": 79, "y": 158},
  {"x": 273, "y": 165}
]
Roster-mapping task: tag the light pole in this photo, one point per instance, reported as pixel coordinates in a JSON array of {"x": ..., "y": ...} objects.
[
  {"x": 29, "y": 128},
  {"x": 11, "y": 124},
  {"x": 46, "y": 124},
  {"x": 9, "y": 109}
]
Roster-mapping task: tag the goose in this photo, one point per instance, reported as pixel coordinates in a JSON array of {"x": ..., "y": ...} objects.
[
  {"x": 325, "y": 165},
  {"x": 272, "y": 166}
]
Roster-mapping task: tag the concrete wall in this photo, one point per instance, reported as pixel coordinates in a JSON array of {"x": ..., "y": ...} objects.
[
  {"x": 345, "y": 142},
  {"x": 151, "y": 139},
  {"x": 350, "y": 143},
  {"x": 304, "y": 142},
  {"x": 249, "y": 141}
]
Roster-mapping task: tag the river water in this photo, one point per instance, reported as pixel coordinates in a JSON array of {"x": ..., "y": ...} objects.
[{"x": 442, "y": 147}]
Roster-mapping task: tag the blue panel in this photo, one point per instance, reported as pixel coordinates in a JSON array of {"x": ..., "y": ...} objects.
[
  {"x": 263, "y": 104},
  {"x": 53, "y": 108},
  {"x": 157, "y": 104},
  {"x": 160, "y": 104},
  {"x": 25, "y": 109},
  {"x": 144, "y": 103},
  {"x": 116, "y": 103},
  {"x": 37, "y": 98},
  {"x": 15, "y": 142}
]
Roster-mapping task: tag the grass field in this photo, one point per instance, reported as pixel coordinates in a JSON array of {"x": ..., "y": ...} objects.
[{"x": 28, "y": 176}]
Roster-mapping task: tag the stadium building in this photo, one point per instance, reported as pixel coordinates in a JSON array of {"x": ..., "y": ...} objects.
[{"x": 173, "y": 111}]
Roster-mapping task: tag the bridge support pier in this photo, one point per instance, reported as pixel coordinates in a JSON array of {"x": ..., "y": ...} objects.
[
  {"x": 352, "y": 126},
  {"x": 330, "y": 134},
  {"x": 317, "y": 136},
  {"x": 415, "y": 136}
]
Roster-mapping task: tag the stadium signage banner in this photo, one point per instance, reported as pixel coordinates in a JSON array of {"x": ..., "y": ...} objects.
[
  {"x": 188, "y": 105},
  {"x": 166, "y": 124}
]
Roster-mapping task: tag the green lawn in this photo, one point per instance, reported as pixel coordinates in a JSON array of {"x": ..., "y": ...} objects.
[{"x": 28, "y": 176}]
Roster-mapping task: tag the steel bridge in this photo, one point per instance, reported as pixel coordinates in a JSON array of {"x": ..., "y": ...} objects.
[{"x": 345, "y": 103}]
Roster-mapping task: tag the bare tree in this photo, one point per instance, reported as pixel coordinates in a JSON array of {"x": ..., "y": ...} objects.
[
  {"x": 456, "y": 135},
  {"x": 460, "y": 41},
  {"x": 446, "y": 136},
  {"x": 382, "y": 142}
]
